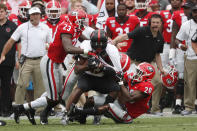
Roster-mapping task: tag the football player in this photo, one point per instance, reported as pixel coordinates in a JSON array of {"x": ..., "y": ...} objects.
[
  {"x": 131, "y": 103},
  {"x": 22, "y": 13},
  {"x": 177, "y": 55},
  {"x": 141, "y": 11},
  {"x": 103, "y": 68},
  {"x": 62, "y": 45},
  {"x": 120, "y": 25}
]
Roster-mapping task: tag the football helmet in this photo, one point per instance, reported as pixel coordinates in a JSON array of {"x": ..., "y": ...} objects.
[
  {"x": 98, "y": 40},
  {"x": 9, "y": 8},
  {"x": 23, "y": 9},
  {"x": 125, "y": 62},
  {"x": 78, "y": 18},
  {"x": 171, "y": 78},
  {"x": 144, "y": 72},
  {"x": 142, "y": 4},
  {"x": 53, "y": 9}
]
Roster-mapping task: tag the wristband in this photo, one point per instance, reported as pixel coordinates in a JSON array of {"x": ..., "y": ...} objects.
[
  {"x": 172, "y": 53},
  {"x": 179, "y": 45},
  {"x": 85, "y": 51},
  {"x": 121, "y": 83}
]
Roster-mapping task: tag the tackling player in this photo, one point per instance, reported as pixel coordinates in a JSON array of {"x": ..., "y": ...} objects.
[{"x": 132, "y": 101}]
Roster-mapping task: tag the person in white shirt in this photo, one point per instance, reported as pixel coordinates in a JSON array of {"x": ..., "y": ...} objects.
[
  {"x": 33, "y": 35},
  {"x": 186, "y": 32}
]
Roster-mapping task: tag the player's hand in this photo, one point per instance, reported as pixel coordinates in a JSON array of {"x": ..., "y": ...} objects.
[
  {"x": 163, "y": 72},
  {"x": 183, "y": 47},
  {"x": 17, "y": 65},
  {"x": 2, "y": 58}
]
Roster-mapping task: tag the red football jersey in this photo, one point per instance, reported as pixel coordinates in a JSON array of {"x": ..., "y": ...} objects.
[
  {"x": 14, "y": 19},
  {"x": 167, "y": 27},
  {"x": 56, "y": 51},
  {"x": 179, "y": 17},
  {"x": 140, "y": 107},
  {"x": 52, "y": 26},
  {"x": 117, "y": 29},
  {"x": 144, "y": 19}
]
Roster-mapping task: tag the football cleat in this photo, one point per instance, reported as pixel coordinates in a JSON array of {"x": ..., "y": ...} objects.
[
  {"x": 177, "y": 109},
  {"x": 30, "y": 115},
  {"x": 65, "y": 119},
  {"x": 44, "y": 117},
  {"x": 2, "y": 123},
  {"x": 18, "y": 110}
]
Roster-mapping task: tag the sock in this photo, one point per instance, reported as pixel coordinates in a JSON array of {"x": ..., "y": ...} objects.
[
  {"x": 26, "y": 106},
  {"x": 88, "y": 111},
  {"x": 40, "y": 102},
  {"x": 178, "y": 101}
]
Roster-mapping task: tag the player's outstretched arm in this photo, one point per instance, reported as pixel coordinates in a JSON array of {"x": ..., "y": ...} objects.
[{"x": 68, "y": 47}]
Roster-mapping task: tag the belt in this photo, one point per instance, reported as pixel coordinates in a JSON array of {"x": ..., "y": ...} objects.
[{"x": 34, "y": 58}]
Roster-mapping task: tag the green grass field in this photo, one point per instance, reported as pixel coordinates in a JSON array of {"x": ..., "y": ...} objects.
[{"x": 140, "y": 124}]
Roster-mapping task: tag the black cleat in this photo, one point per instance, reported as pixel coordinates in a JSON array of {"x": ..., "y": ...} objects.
[
  {"x": 97, "y": 119},
  {"x": 81, "y": 119},
  {"x": 2, "y": 123},
  {"x": 30, "y": 115},
  {"x": 44, "y": 117},
  {"x": 72, "y": 112},
  {"x": 18, "y": 110},
  {"x": 177, "y": 109}
]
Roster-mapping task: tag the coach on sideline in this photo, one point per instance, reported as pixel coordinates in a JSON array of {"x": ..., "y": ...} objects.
[
  {"x": 187, "y": 32},
  {"x": 33, "y": 35},
  {"x": 147, "y": 45}
]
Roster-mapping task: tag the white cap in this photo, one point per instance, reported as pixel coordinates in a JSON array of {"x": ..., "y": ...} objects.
[{"x": 34, "y": 10}]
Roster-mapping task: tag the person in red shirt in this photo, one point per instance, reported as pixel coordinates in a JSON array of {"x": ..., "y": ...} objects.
[
  {"x": 62, "y": 45},
  {"x": 120, "y": 25},
  {"x": 132, "y": 101}
]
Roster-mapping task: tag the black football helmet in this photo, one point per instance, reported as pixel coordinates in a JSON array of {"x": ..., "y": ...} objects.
[{"x": 98, "y": 40}]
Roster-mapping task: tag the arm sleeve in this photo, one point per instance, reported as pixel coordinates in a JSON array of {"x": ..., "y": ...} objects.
[
  {"x": 114, "y": 55},
  {"x": 17, "y": 34},
  {"x": 181, "y": 35},
  {"x": 134, "y": 34}
]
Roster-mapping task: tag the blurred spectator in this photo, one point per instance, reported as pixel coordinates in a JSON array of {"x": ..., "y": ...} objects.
[
  {"x": 108, "y": 9},
  {"x": 14, "y": 5},
  {"x": 130, "y": 6},
  {"x": 154, "y": 5},
  {"x": 6, "y": 68},
  {"x": 91, "y": 9},
  {"x": 163, "y": 4}
]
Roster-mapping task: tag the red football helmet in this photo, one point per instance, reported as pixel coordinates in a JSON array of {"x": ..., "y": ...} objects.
[
  {"x": 125, "y": 62},
  {"x": 142, "y": 4},
  {"x": 78, "y": 18},
  {"x": 171, "y": 78},
  {"x": 144, "y": 72},
  {"x": 9, "y": 8},
  {"x": 23, "y": 9},
  {"x": 53, "y": 10}
]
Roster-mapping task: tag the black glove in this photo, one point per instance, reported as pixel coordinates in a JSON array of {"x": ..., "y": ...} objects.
[{"x": 93, "y": 62}]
